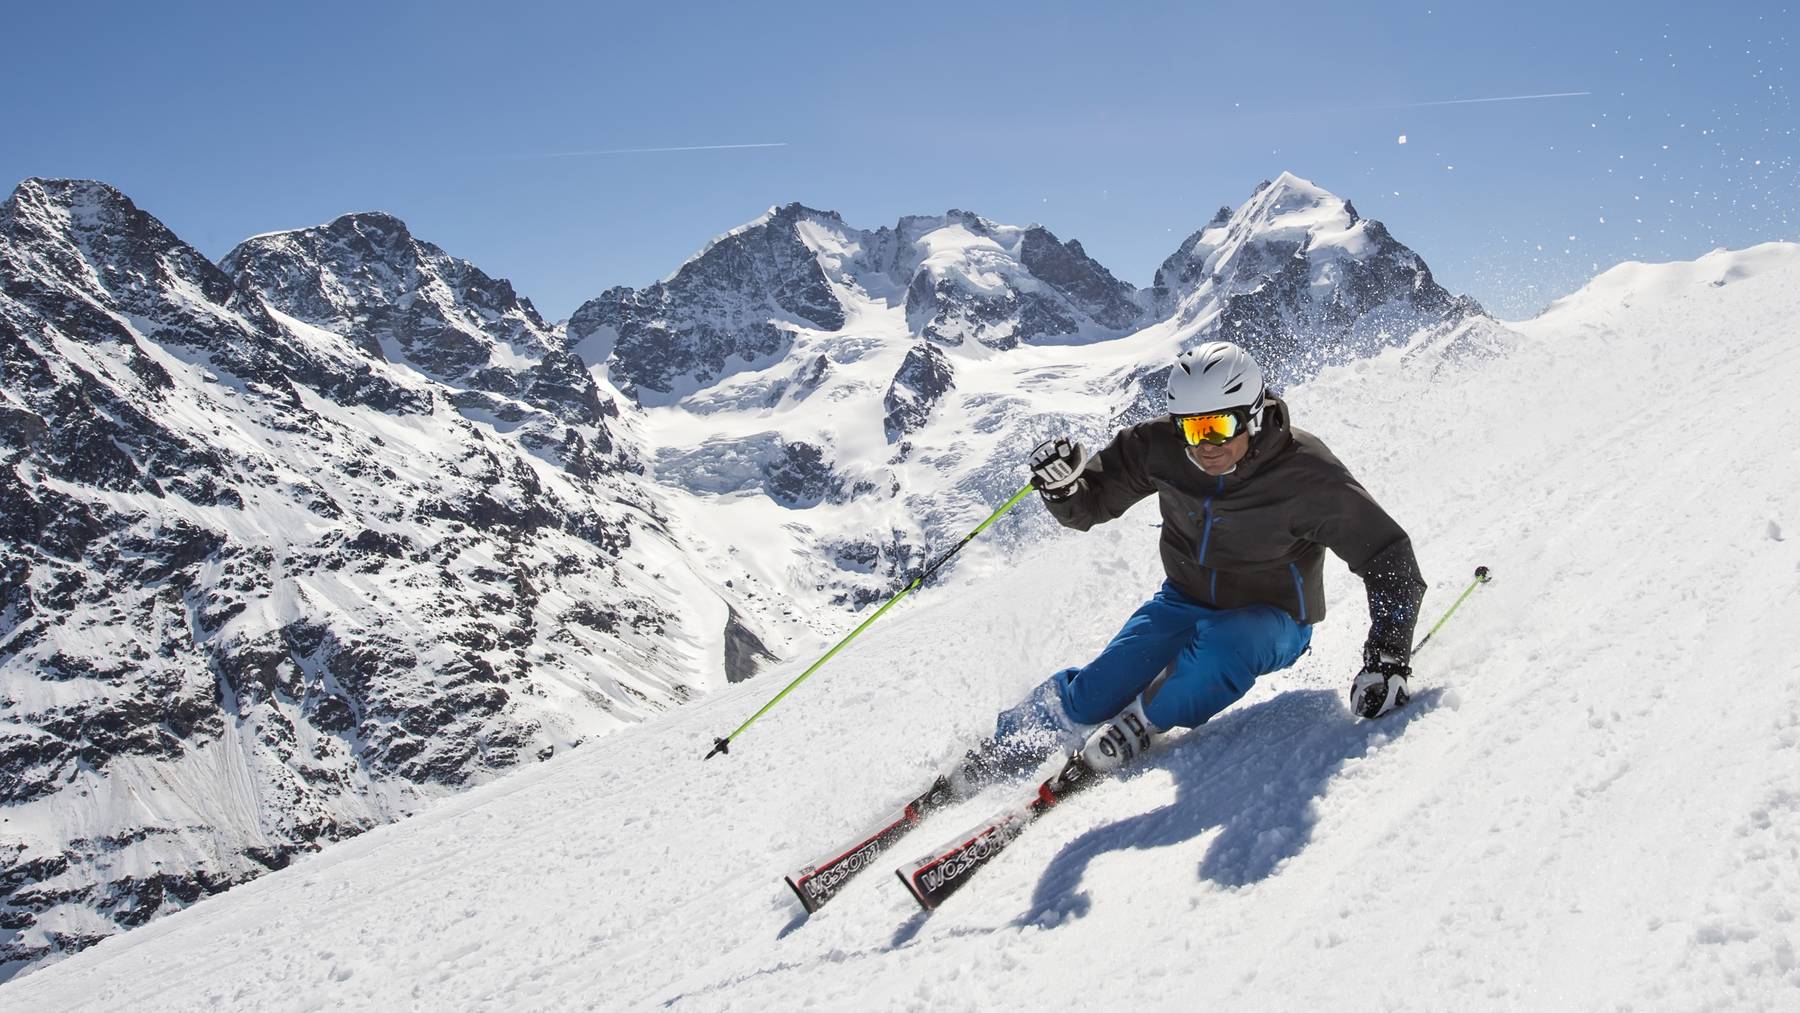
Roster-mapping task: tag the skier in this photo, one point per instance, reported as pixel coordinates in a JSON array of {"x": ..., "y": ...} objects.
[{"x": 1249, "y": 506}]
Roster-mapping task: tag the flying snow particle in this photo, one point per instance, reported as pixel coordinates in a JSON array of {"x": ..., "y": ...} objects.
[{"x": 1402, "y": 138}]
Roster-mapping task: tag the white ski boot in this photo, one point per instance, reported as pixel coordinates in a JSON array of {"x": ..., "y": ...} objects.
[{"x": 1120, "y": 741}]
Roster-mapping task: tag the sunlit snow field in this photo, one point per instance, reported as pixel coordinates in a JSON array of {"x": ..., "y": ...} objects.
[{"x": 1593, "y": 803}]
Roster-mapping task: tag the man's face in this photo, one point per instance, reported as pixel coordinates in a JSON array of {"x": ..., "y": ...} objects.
[{"x": 1219, "y": 458}]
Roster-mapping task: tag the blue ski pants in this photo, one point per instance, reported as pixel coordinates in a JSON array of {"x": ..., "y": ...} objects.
[{"x": 1190, "y": 661}]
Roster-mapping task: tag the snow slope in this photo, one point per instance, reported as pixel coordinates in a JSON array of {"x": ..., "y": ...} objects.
[{"x": 1593, "y": 804}]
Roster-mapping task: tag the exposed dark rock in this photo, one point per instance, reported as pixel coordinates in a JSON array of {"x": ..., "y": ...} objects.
[
  {"x": 744, "y": 650},
  {"x": 924, "y": 376},
  {"x": 1089, "y": 286},
  {"x": 365, "y": 276},
  {"x": 801, "y": 477},
  {"x": 730, "y": 301}
]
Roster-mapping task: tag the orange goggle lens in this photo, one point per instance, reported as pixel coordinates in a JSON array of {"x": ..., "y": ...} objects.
[{"x": 1198, "y": 429}]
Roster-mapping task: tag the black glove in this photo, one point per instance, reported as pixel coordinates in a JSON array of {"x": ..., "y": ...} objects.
[
  {"x": 1381, "y": 686},
  {"x": 1056, "y": 467}
]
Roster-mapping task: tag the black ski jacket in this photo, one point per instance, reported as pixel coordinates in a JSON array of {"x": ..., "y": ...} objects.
[{"x": 1258, "y": 535}]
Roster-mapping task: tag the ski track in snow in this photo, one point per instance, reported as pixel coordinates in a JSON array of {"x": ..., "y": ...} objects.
[{"x": 1593, "y": 804}]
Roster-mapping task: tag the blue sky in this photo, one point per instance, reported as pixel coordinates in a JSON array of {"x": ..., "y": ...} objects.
[{"x": 1124, "y": 126}]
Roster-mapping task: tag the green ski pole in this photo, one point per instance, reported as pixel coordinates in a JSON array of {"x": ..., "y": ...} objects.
[
  {"x": 723, "y": 745},
  {"x": 1481, "y": 577}
]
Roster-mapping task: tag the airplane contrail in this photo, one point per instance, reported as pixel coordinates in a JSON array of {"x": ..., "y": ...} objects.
[
  {"x": 1375, "y": 106},
  {"x": 1497, "y": 98},
  {"x": 647, "y": 151}
]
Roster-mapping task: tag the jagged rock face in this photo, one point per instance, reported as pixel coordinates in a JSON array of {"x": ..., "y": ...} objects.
[
  {"x": 924, "y": 377},
  {"x": 738, "y": 299},
  {"x": 367, "y": 278},
  {"x": 260, "y": 590},
  {"x": 82, "y": 259},
  {"x": 1080, "y": 279},
  {"x": 980, "y": 282},
  {"x": 1301, "y": 280},
  {"x": 800, "y": 476},
  {"x": 737, "y": 305}
]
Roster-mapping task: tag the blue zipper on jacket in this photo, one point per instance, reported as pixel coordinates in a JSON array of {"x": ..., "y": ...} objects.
[
  {"x": 1206, "y": 537},
  {"x": 1299, "y": 589}
]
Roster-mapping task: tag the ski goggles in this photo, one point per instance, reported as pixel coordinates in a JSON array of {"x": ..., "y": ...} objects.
[{"x": 1215, "y": 427}]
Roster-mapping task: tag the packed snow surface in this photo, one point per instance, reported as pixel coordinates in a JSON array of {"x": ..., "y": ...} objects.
[{"x": 1593, "y": 803}]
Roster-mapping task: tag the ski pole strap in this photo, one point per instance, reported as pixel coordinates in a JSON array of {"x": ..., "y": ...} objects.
[
  {"x": 1481, "y": 577},
  {"x": 723, "y": 745}
]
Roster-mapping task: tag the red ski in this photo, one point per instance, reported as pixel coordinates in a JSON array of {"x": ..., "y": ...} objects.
[
  {"x": 939, "y": 874},
  {"x": 818, "y": 883}
]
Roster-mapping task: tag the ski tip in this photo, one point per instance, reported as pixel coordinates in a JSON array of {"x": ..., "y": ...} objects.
[
  {"x": 912, "y": 890},
  {"x": 804, "y": 901}
]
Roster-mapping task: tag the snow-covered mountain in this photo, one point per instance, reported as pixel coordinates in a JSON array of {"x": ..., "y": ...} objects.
[
  {"x": 740, "y": 303},
  {"x": 1301, "y": 279},
  {"x": 401, "y": 300},
  {"x": 898, "y": 395},
  {"x": 297, "y": 541},
  {"x": 1592, "y": 803},
  {"x": 268, "y": 584}
]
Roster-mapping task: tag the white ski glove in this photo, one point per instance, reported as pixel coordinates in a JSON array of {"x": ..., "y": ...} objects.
[
  {"x": 1380, "y": 687},
  {"x": 1056, "y": 467}
]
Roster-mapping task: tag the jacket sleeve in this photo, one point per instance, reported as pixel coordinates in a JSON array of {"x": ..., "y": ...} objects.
[
  {"x": 1395, "y": 589},
  {"x": 1114, "y": 480},
  {"x": 1344, "y": 518}
]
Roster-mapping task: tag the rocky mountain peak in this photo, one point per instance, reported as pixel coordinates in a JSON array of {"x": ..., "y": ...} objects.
[
  {"x": 328, "y": 274},
  {"x": 1296, "y": 271},
  {"x": 82, "y": 260},
  {"x": 961, "y": 280},
  {"x": 72, "y": 226},
  {"x": 794, "y": 211},
  {"x": 739, "y": 299},
  {"x": 1289, "y": 202},
  {"x": 398, "y": 298}
]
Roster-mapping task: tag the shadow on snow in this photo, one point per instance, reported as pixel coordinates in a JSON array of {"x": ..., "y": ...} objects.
[{"x": 1254, "y": 774}]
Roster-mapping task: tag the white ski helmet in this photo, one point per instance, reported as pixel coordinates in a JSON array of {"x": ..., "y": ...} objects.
[{"x": 1215, "y": 377}]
